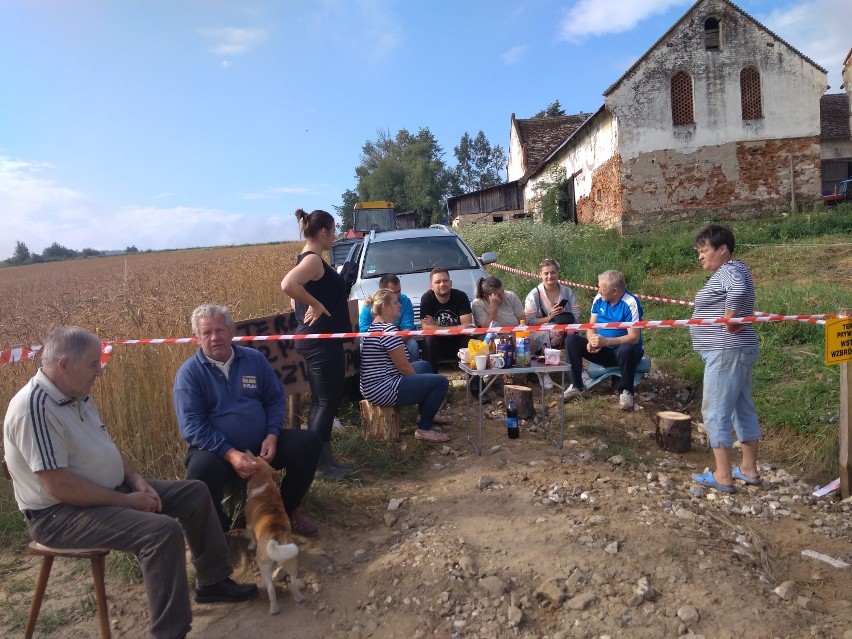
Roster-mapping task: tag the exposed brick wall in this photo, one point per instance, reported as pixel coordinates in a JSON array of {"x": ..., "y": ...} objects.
[
  {"x": 607, "y": 211},
  {"x": 730, "y": 181}
]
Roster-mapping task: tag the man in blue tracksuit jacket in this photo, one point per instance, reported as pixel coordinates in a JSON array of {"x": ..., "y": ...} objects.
[{"x": 228, "y": 400}]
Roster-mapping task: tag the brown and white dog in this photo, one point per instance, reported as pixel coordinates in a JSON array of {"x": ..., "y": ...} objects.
[{"x": 269, "y": 529}]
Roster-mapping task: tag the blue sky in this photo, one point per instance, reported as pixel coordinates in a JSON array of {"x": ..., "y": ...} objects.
[{"x": 203, "y": 123}]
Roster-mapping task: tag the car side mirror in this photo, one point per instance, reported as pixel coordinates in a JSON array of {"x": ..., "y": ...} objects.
[{"x": 489, "y": 258}]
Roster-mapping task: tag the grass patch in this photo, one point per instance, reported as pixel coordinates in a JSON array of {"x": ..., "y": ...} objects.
[
  {"x": 801, "y": 264},
  {"x": 124, "y": 567}
]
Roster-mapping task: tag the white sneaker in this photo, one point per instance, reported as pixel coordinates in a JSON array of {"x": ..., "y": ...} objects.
[
  {"x": 572, "y": 393},
  {"x": 625, "y": 400},
  {"x": 546, "y": 382},
  {"x": 336, "y": 425}
]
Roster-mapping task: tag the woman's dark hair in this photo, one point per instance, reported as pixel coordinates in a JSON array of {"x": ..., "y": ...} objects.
[
  {"x": 715, "y": 235},
  {"x": 389, "y": 278},
  {"x": 487, "y": 285},
  {"x": 310, "y": 224}
]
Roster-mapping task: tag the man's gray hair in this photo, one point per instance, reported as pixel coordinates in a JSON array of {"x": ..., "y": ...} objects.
[
  {"x": 70, "y": 342},
  {"x": 210, "y": 311},
  {"x": 614, "y": 280}
]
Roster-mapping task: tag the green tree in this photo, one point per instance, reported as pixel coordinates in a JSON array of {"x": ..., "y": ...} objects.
[
  {"x": 407, "y": 170},
  {"x": 131, "y": 249},
  {"x": 21, "y": 254},
  {"x": 56, "y": 252},
  {"x": 346, "y": 211},
  {"x": 90, "y": 252},
  {"x": 554, "y": 110},
  {"x": 551, "y": 197},
  {"x": 479, "y": 165}
]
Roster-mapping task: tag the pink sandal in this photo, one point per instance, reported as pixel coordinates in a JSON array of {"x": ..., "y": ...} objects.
[{"x": 431, "y": 436}]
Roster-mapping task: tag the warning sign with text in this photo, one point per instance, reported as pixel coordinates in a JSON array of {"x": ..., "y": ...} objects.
[{"x": 838, "y": 340}]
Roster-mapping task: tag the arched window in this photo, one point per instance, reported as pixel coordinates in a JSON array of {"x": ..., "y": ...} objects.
[
  {"x": 712, "y": 41},
  {"x": 682, "y": 112},
  {"x": 750, "y": 94}
]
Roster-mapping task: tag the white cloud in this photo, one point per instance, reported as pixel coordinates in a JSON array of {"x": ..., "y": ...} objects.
[
  {"x": 597, "y": 17},
  {"x": 39, "y": 212},
  {"x": 817, "y": 28},
  {"x": 276, "y": 192},
  {"x": 229, "y": 41},
  {"x": 350, "y": 24},
  {"x": 514, "y": 55}
]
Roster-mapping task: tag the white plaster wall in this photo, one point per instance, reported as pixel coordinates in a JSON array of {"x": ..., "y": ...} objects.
[
  {"x": 790, "y": 88},
  {"x": 835, "y": 149},
  {"x": 516, "y": 168},
  {"x": 590, "y": 147}
]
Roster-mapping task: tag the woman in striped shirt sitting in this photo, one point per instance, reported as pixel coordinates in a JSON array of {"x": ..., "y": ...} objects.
[{"x": 389, "y": 379}]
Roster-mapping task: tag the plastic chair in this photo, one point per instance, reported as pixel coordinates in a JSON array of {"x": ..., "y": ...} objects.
[{"x": 599, "y": 373}]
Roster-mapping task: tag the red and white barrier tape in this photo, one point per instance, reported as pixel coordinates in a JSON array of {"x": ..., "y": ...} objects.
[
  {"x": 19, "y": 354},
  {"x": 652, "y": 298}
]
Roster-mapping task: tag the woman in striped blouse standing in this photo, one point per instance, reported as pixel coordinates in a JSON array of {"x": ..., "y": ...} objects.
[
  {"x": 729, "y": 352},
  {"x": 389, "y": 379}
]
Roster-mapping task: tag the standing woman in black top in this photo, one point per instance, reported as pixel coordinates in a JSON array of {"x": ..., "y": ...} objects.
[{"x": 321, "y": 307}]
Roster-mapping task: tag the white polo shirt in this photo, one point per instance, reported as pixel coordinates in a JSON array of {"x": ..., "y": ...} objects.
[{"x": 45, "y": 430}]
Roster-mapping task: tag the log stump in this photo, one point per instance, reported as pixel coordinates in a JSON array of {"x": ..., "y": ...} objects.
[
  {"x": 523, "y": 398},
  {"x": 381, "y": 423},
  {"x": 674, "y": 431}
]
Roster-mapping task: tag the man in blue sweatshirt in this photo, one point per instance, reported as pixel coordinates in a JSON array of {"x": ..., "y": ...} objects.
[
  {"x": 228, "y": 399},
  {"x": 405, "y": 321}
]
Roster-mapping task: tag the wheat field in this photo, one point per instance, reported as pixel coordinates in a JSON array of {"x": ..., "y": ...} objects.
[{"x": 147, "y": 295}]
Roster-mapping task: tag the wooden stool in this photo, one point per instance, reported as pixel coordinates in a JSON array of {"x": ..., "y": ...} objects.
[
  {"x": 380, "y": 422},
  {"x": 97, "y": 557}
]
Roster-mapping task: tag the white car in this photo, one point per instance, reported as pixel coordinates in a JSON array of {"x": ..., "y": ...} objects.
[{"x": 411, "y": 255}]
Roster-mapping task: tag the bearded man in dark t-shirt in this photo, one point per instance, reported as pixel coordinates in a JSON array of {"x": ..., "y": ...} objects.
[{"x": 440, "y": 307}]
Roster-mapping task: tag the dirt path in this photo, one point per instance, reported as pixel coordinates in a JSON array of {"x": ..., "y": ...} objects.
[{"x": 604, "y": 538}]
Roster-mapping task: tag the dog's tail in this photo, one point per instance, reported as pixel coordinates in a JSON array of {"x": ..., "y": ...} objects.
[{"x": 281, "y": 552}]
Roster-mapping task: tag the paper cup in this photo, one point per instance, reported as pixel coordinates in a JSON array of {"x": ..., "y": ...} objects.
[{"x": 481, "y": 362}]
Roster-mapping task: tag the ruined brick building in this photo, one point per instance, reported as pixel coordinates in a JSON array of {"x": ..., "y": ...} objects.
[{"x": 720, "y": 117}]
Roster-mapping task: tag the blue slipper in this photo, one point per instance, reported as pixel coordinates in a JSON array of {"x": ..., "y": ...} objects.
[
  {"x": 751, "y": 481},
  {"x": 707, "y": 479}
]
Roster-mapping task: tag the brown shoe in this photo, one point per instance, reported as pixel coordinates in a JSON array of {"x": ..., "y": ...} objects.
[{"x": 302, "y": 525}]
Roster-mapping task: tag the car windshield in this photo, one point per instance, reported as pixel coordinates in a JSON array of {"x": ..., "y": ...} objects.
[{"x": 416, "y": 255}]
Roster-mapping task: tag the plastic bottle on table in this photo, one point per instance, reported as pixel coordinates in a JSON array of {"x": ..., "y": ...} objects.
[
  {"x": 490, "y": 339},
  {"x": 522, "y": 347},
  {"x": 512, "y": 420}
]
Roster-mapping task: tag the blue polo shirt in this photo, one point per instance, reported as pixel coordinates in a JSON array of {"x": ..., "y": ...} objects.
[{"x": 627, "y": 309}]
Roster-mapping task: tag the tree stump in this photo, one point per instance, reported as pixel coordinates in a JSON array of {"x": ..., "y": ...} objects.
[
  {"x": 380, "y": 423},
  {"x": 523, "y": 398},
  {"x": 674, "y": 431}
]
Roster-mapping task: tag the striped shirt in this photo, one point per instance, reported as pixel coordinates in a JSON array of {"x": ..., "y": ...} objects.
[
  {"x": 729, "y": 288},
  {"x": 379, "y": 375}
]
